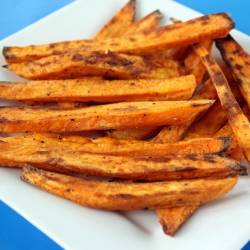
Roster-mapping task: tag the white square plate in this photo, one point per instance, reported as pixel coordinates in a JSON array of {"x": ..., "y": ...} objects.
[{"x": 221, "y": 224}]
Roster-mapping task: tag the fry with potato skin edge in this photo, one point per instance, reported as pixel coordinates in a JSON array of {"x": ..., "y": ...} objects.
[
  {"x": 237, "y": 59},
  {"x": 106, "y": 64},
  {"x": 110, "y": 146},
  {"x": 69, "y": 157},
  {"x": 129, "y": 196},
  {"x": 171, "y": 36}
]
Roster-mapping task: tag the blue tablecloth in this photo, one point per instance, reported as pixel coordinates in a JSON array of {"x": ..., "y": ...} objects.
[{"x": 16, "y": 232}]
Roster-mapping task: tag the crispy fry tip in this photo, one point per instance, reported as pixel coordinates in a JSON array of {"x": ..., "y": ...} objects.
[
  {"x": 159, "y": 13},
  {"x": 227, "y": 142},
  {"x": 227, "y": 16},
  {"x": 5, "y": 50}
]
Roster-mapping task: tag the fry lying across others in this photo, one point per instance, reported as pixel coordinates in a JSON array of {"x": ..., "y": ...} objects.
[
  {"x": 238, "y": 60},
  {"x": 238, "y": 121}
]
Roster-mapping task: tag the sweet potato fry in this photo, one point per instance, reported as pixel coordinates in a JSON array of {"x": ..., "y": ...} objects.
[
  {"x": 105, "y": 64},
  {"x": 129, "y": 196},
  {"x": 119, "y": 23},
  {"x": 101, "y": 91},
  {"x": 173, "y": 218},
  {"x": 110, "y": 146},
  {"x": 71, "y": 157},
  {"x": 216, "y": 116},
  {"x": 238, "y": 60},
  {"x": 101, "y": 117},
  {"x": 238, "y": 121},
  {"x": 171, "y": 36}
]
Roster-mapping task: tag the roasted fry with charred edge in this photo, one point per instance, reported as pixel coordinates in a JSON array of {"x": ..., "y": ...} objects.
[
  {"x": 69, "y": 157},
  {"x": 215, "y": 117},
  {"x": 106, "y": 64},
  {"x": 234, "y": 150},
  {"x": 238, "y": 121},
  {"x": 101, "y": 91},
  {"x": 238, "y": 60},
  {"x": 109, "y": 146},
  {"x": 171, "y": 36},
  {"x": 148, "y": 22},
  {"x": 101, "y": 117},
  {"x": 119, "y": 23},
  {"x": 173, "y": 218},
  {"x": 129, "y": 196}
]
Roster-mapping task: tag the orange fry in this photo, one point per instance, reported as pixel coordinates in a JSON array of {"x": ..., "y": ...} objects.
[{"x": 171, "y": 36}]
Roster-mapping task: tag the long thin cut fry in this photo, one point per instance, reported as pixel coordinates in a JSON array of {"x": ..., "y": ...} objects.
[
  {"x": 171, "y": 36},
  {"x": 101, "y": 91},
  {"x": 110, "y": 146},
  {"x": 105, "y": 64},
  {"x": 71, "y": 157},
  {"x": 215, "y": 117},
  {"x": 236, "y": 118},
  {"x": 238, "y": 60},
  {"x": 101, "y": 117},
  {"x": 129, "y": 196}
]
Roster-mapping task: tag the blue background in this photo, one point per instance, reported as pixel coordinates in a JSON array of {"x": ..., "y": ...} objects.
[{"x": 16, "y": 232}]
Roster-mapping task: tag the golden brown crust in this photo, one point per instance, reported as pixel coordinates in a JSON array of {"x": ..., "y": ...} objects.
[
  {"x": 127, "y": 195},
  {"x": 101, "y": 117},
  {"x": 167, "y": 37}
]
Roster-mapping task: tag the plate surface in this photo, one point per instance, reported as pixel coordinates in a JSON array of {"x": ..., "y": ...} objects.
[{"x": 220, "y": 224}]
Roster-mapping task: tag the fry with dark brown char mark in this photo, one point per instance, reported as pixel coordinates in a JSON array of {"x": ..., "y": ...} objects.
[
  {"x": 238, "y": 60},
  {"x": 127, "y": 195},
  {"x": 71, "y": 157},
  {"x": 105, "y": 64},
  {"x": 171, "y": 36},
  {"x": 238, "y": 121},
  {"x": 110, "y": 146}
]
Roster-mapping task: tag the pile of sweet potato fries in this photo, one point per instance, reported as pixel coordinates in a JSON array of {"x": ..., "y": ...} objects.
[{"x": 169, "y": 138}]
